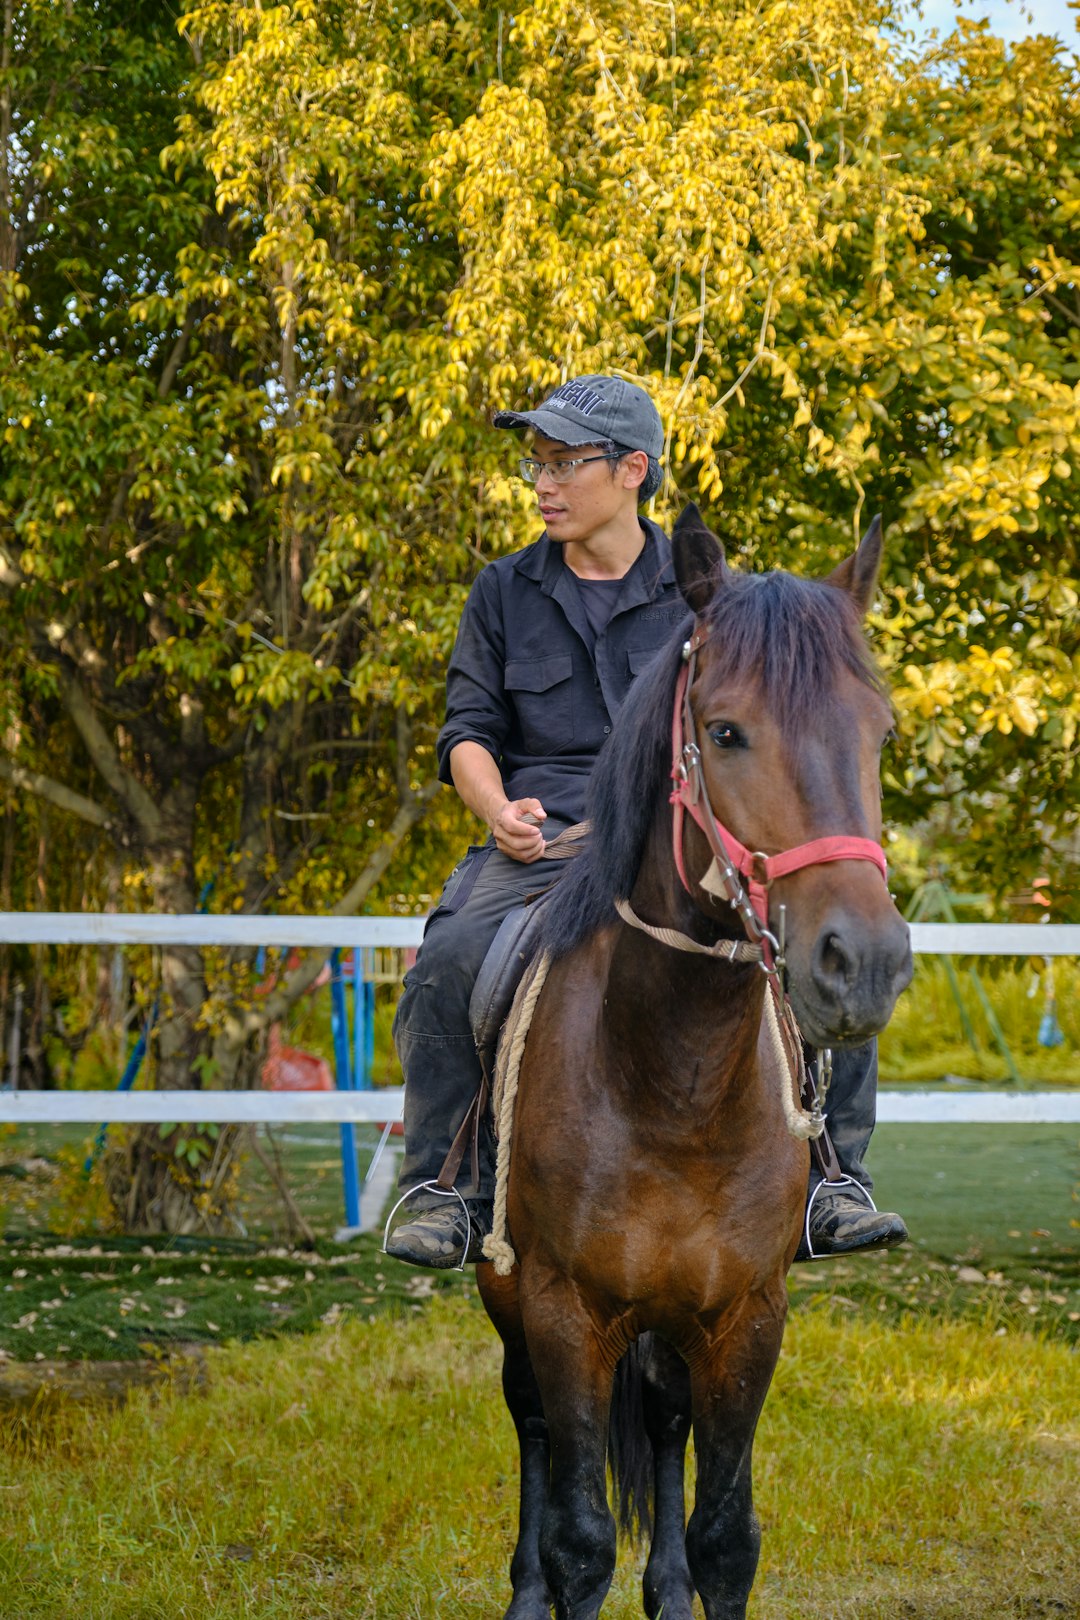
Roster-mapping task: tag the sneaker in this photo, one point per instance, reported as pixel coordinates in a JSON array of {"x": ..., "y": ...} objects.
[
  {"x": 437, "y": 1234},
  {"x": 843, "y": 1223}
]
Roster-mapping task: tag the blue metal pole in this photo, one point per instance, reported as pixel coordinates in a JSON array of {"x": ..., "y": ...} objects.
[
  {"x": 361, "y": 1068},
  {"x": 369, "y": 1029},
  {"x": 127, "y": 1079},
  {"x": 339, "y": 1023}
]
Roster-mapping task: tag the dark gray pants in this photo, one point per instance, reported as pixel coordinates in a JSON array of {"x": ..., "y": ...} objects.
[{"x": 434, "y": 1037}]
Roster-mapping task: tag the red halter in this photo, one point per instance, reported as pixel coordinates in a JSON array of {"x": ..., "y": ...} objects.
[{"x": 732, "y": 857}]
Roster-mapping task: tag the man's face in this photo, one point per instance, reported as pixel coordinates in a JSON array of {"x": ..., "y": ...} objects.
[{"x": 596, "y": 495}]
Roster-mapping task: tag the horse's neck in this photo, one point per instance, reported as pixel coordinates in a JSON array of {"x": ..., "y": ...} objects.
[
  {"x": 709, "y": 1010},
  {"x": 700, "y": 1016},
  {"x": 658, "y": 894}
]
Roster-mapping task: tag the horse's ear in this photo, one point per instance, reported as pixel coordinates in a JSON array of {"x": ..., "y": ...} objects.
[
  {"x": 700, "y": 568},
  {"x": 858, "y": 573}
]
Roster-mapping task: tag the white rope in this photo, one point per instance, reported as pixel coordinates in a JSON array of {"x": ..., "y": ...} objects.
[
  {"x": 497, "y": 1246},
  {"x": 802, "y": 1126}
]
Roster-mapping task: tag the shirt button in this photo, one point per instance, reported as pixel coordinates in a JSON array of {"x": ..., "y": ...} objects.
[{"x": 607, "y": 731}]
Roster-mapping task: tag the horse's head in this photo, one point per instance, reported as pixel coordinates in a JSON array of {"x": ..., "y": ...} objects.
[{"x": 790, "y": 716}]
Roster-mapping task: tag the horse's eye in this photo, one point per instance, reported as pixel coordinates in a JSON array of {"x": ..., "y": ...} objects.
[{"x": 725, "y": 735}]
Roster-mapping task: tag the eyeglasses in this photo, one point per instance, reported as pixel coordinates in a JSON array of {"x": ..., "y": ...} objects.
[{"x": 561, "y": 472}]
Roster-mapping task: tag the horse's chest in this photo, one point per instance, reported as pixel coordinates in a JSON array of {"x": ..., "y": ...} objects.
[{"x": 650, "y": 1242}]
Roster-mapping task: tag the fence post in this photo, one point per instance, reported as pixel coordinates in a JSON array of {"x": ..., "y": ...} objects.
[{"x": 339, "y": 1022}]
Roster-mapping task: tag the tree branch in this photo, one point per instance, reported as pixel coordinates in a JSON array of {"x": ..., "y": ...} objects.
[
  {"x": 179, "y": 350},
  {"x": 168, "y": 377},
  {"x": 64, "y": 798},
  {"x": 412, "y": 811},
  {"x": 106, "y": 761},
  {"x": 1062, "y": 308},
  {"x": 241, "y": 1027}
]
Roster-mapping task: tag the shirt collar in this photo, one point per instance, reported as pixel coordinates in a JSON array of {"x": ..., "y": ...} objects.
[{"x": 652, "y": 569}]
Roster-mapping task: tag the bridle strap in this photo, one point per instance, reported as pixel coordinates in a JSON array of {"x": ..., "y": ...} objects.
[{"x": 733, "y": 863}]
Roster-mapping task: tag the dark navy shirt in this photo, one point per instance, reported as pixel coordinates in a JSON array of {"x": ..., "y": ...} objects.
[
  {"x": 525, "y": 680},
  {"x": 599, "y": 598}
]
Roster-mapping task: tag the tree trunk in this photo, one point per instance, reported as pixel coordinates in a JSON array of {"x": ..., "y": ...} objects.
[
  {"x": 155, "y": 1188},
  {"x": 185, "y": 1180},
  {"x": 5, "y": 905},
  {"x": 35, "y": 1058}
]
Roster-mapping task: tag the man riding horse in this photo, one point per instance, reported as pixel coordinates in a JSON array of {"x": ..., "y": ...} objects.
[{"x": 550, "y": 641}]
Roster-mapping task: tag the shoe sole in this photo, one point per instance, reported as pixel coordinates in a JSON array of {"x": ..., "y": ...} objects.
[
  {"x": 891, "y": 1239},
  {"x": 422, "y": 1257}
]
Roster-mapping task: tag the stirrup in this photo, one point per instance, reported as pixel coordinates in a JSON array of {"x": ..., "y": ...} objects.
[
  {"x": 843, "y": 1181},
  {"x": 440, "y": 1192}
]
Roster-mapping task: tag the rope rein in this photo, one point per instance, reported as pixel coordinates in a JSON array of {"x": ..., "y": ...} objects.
[{"x": 497, "y": 1246}]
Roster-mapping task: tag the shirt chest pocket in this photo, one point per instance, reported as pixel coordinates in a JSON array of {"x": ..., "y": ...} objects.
[
  {"x": 541, "y": 690},
  {"x": 640, "y": 658}
]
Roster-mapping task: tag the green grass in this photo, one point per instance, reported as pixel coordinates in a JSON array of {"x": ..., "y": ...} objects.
[
  {"x": 369, "y": 1473},
  {"x": 115, "y": 1300}
]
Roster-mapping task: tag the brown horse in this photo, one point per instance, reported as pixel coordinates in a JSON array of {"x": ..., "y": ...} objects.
[{"x": 655, "y": 1197}]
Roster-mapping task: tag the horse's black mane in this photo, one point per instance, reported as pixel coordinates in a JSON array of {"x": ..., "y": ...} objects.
[{"x": 793, "y": 635}]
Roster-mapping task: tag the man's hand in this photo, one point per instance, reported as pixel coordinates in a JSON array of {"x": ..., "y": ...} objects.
[
  {"x": 515, "y": 823},
  {"x": 516, "y": 828}
]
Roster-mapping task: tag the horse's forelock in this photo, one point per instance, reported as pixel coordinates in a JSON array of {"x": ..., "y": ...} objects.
[{"x": 792, "y": 637}]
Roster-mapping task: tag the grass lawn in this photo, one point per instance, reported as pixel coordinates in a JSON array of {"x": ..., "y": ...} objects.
[
  {"x": 367, "y": 1472},
  {"x": 991, "y": 1211}
]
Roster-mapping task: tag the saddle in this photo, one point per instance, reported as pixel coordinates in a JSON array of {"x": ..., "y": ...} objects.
[{"x": 502, "y": 970}]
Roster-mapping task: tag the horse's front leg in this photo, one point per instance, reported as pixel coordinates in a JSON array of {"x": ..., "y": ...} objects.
[
  {"x": 574, "y": 1364},
  {"x": 666, "y": 1401},
  {"x": 531, "y": 1600},
  {"x": 730, "y": 1377}
]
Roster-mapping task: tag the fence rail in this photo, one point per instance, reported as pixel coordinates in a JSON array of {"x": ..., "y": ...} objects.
[
  {"x": 974, "y": 1107},
  {"x": 323, "y": 933}
]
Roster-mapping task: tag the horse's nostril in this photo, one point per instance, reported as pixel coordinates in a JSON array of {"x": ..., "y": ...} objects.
[{"x": 834, "y": 965}]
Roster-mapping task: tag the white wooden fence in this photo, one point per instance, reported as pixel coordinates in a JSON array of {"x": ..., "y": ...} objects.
[{"x": 380, "y": 1105}]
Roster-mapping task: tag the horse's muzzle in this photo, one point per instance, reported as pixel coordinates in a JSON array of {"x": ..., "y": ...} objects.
[{"x": 855, "y": 972}]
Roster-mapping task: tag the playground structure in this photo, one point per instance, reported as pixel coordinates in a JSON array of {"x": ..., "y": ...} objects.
[{"x": 375, "y": 944}]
